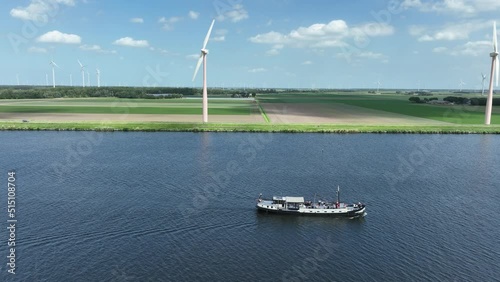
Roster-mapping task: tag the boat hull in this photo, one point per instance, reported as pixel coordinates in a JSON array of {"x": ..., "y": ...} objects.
[{"x": 358, "y": 212}]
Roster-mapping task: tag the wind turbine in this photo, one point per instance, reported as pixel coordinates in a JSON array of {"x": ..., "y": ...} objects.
[
  {"x": 461, "y": 84},
  {"x": 484, "y": 78},
  {"x": 98, "y": 72},
  {"x": 53, "y": 64},
  {"x": 46, "y": 79},
  {"x": 82, "y": 69},
  {"x": 71, "y": 79},
  {"x": 17, "y": 78},
  {"x": 378, "y": 86},
  {"x": 494, "y": 73},
  {"x": 203, "y": 58},
  {"x": 88, "y": 79}
]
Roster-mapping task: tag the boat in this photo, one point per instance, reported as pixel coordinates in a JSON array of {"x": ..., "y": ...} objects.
[{"x": 298, "y": 205}]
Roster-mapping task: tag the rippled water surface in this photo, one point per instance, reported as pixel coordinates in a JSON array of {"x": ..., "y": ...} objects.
[{"x": 180, "y": 207}]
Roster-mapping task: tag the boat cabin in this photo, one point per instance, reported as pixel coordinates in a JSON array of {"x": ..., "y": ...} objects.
[{"x": 290, "y": 203}]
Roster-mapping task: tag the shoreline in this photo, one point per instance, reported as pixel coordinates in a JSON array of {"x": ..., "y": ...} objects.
[{"x": 250, "y": 128}]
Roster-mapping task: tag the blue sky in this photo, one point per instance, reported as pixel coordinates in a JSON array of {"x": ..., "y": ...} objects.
[{"x": 260, "y": 43}]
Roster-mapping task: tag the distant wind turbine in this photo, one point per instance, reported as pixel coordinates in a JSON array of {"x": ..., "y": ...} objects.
[
  {"x": 46, "y": 79},
  {"x": 54, "y": 65},
  {"x": 484, "y": 78},
  {"x": 82, "y": 69},
  {"x": 71, "y": 79},
  {"x": 378, "y": 85},
  {"x": 88, "y": 79},
  {"x": 98, "y": 73},
  {"x": 461, "y": 84},
  {"x": 17, "y": 78},
  {"x": 494, "y": 73},
  {"x": 203, "y": 58}
]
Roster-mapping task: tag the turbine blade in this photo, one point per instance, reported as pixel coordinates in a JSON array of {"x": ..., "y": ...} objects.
[
  {"x": 81, "y": 65},
  {"x": 495, "y": 42},
  {"x": 200, "y": 60},
  {"x": 55, "y": 64},
  {"x": 208, "y": 35}
]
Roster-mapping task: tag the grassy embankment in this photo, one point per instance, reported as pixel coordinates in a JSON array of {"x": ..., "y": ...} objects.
[{"x": 231, "y": 127}]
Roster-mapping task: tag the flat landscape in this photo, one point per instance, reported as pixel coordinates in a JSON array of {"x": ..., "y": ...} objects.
[
  {"x": 117, "y": 109},
  {"x": 277, "y": 110}
]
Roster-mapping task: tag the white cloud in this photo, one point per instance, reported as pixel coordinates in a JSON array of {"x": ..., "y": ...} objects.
[
  {"x": 464, "y": 8},
  {"x": 130, "y": 42},
  {"x": 193, "y": 56},
  {"x": 439, "y": 49},
  {"x": 218, "y": 38},
  {"x": 371, "y": 55},
  {"x": 235, "y": 13},
  {"x": 256, "y": 70},
  {"x": 333, "y": 34},
  {"x": 360, "y": 56},
  {"x": 40, "y": 10},
  {"x": 37, "y": 50},
  {"x": 168, "y": 24},
  {"x": 470, "y": 48},
  {"x": 275, "y": 50},
  {"x": 406, "y": 4},
  {"x": 307, "y": 63},
  {"x": 137, "y": 20},
  {"x": 416, "y": 30},
  {"x": 450, "y": 32},
  {"x": 193, "y": 15},
  {"x": 269, "y": 38},
  {"x": 96, "y": 48},
  {"x": 56, "y": 36},
  {"x": 220, "y": 35}
]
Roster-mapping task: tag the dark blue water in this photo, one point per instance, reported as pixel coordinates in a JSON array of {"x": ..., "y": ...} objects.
[{"x": 180, "y": 207}]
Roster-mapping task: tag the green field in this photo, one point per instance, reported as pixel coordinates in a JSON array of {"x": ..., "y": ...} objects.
[
  {"x": 394, "y": 103},
  {"x": 131, "y": 106}
]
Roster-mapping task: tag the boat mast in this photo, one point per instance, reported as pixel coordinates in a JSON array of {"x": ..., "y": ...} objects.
[{"x": 338, "y": 194}]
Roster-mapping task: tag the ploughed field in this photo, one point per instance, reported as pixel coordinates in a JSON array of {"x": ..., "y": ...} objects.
[{"x": 368, "y": 109}]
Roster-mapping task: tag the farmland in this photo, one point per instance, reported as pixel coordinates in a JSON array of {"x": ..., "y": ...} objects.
[{"x": 268, "y": 112}]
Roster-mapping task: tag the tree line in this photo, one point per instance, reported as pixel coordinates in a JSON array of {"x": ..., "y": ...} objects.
[
  {"x": 94, "y": 92},
  {"x": 30, "y": 92},
  {"x": 477, "y": 101}
]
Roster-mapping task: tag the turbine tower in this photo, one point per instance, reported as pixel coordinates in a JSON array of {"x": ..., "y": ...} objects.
[
  {"x": 484, "y": 78},
  {"x": 88, "y": 79},
  {"x": 378, "y": 86},
  {"x": 82, "y": 69},
  {"x": 71, "y": 79},
  {"x": 494, "y": 73},
  {"x": 46, "y": 79},
  {"x": 203, "y": 58},
  {"x": 98, "y": 72},
  {"x": 54, "y": 65}
]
